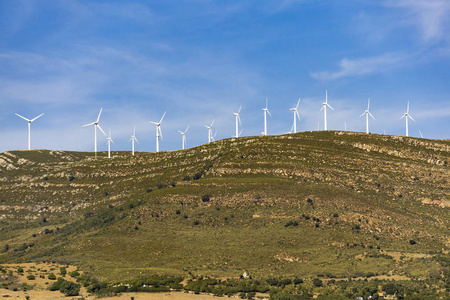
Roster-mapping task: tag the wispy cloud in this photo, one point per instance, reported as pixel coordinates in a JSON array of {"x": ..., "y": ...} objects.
[
  {"x": 432, "y": 17},
  {"x": 363, "y": 66}
]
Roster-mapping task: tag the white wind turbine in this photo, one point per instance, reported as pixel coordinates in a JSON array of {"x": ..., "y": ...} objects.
[
  {"x": 213, "y": 138},
  {"x": 324, "y": 107},
  {"x": 133, "y": 138},
  {"x": 238, "y": 121},
  {"x": 210, "y": 137},
  {"x": 29, "y": 128},
  {"x": 158, "y": 131},
  {"x": 367, "y": 113},
  {"x": 95, "y": 130},
  {"x": 296, "y": 115},
  {"x": 406, "y": 115},
  {"x": 183, "y": 137},
  {"x": 109, "y": 143},
  {"x": 266, "y": 111}
]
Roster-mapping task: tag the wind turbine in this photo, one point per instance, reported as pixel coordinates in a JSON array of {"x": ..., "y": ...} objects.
[
  {"x": 213, "y": 138},
  {"x": 158, "y": 131},
  {"x": 133, "y": 138},
  {"x": 183, "y": 137},
  {"x": 367, "y": 113},
  {"x": 29, "y": 128},
  {"x": 406, "y": 115},
  {"x": 266, "y": 111},
  {"x": 109, "y": 143},
  {"x": 238, "y": 119},
  {"x": 324, "y": 107},
  {"x": 421, "y": 134},
  {"x": 295, "y": 110},
  {"x": 95, "y": 130},
  {"x": 210, "y": 137}
]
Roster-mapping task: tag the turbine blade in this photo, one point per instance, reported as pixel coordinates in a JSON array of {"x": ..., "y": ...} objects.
[
  {"x": 411, "y": 118},
  {"x": 269, "y": 113},
  {"x": 322, "y": 107},
  {"x": 136, "y": 140},
  {"x": 240, "y": 131},
  {"x": 23, "y": 118},
  {"x": 134, "y": 131},
  {"x": 239, "y": 119},
  {"x": 402, "y": 116},
  {"x": 99, "y": 114},
  {"x": 362, "y": 114},
  {"x": 187, "y": 128},
  {"x": 239, "y": 111},
  {"x": 160, "y": 132},
  {"x": 330, "y": 106},
  {"x": 298, "y": 103},
  {"x": 162, "y": 117},
  {"x": 371, "y": 115},
  {"x": 267, "y": 103},
  {"x": 112, "y": 141},
  {"x": 206, "y": 126},
  {"x": 212, "y": 123},
  {"x": 180, "y": 132},
  {"x": 153, "y": 122},
  {"x": 407, "y": 109},
  {"x": 93, "y": 123},
  {"x": 101, "y": 129},
  {"x": 368, "y": 104},
  {"x": 296, "y": 112},
  {"x": 36, "y": 117}
]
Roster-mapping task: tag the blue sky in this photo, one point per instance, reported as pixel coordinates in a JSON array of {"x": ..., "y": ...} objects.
[{"x": 200, "y": 60}]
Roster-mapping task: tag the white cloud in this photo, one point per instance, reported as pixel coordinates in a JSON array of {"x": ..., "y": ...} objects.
[
  {"x": 432, "y": 17},
  {"x": 363, "y": 66}
]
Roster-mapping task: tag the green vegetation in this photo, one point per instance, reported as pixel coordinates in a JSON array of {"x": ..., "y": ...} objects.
[{"x": 307, "y": 207}]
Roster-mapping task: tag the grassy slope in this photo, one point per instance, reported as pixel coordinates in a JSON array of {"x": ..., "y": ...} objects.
[{"x": 118, "y": 217}]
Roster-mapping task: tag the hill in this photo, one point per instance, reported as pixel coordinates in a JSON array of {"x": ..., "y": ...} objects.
[{"x": 327, "y": 204}]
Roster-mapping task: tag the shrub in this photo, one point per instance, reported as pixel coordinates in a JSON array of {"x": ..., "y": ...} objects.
[
  {"x": 51, "y": 276},
  {"x": 206, "y": 198},
  {"x": 186, "y": 178},
  {"x": 177, "y": 212},
  {"x": 309, "y": 201},
  {"x": 412, "y": 242},
  {"x": 196, "y": 222},
  {"x": 71, "y": 178},
  {"x": 335, "y": 215},
  {"x": 63, "y": 271},
  {"x": 69, "y": 288},
  {"x": 317, "y": 282},
  {"x": 56, "y": 285},
  {"x": 31, "y": 277},
  {"x": 74, "y": 274}
]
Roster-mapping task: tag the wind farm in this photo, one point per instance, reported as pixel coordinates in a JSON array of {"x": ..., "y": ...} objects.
[{"x": 237, "y": 123}]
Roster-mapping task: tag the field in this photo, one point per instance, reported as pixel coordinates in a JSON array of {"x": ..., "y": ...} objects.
[{"x": 328, "y": 205}]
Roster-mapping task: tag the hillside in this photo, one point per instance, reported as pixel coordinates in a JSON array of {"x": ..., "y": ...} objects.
[{"x": 328, "y": 204}]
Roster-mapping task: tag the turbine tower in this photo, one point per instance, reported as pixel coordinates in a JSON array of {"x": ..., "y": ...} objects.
[
  {"x": 406, "y": 115},
  {"x": 158, "y": 131},
  {"x": 29, "y": 128},
  {"x": 95, "y": 130},
  {"x": 183, "y": 137},
  {"x": 133, "y": 138},
  {"x": 209, "y": 132},
  {"x": 109, "y": 143},
  {"x": 296, "y": 115},
  {"x": 367, "y": 113},
  {"x": 238, "y": 121},
  {"x": 324, "y": 108},
  {"x": 266, "y": 111}
]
